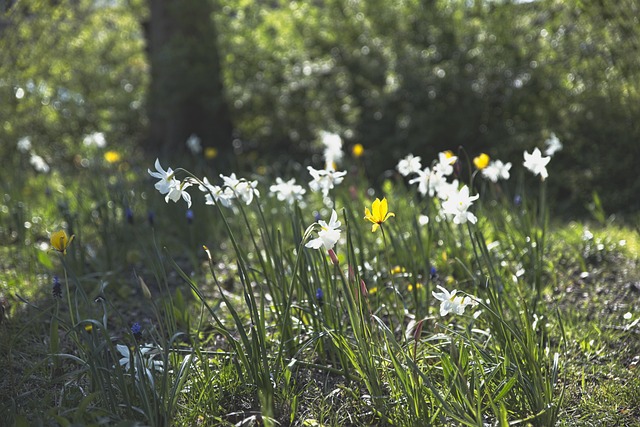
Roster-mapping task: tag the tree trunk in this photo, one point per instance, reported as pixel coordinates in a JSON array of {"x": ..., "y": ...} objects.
[{"x": 186, "y": 94}]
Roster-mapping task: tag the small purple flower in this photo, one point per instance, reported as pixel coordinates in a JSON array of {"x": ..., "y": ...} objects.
[
  {"x": 57, "y": 287},
  {"x": 433, "y": 273},
  {"x": 189, "y": 216},
  {"x": 136, "y": 330},
  {"x": 319, "y": 294},
  {"x": 129, "y": 215},
  {"x": 317, "y": 216},
  {"x": 517, "y": 200},
  {"x": 151, "y": 217}
]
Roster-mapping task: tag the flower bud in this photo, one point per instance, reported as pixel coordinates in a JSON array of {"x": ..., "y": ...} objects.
[
  {"x": 418, "y": 331},
  {"x": 363, "y": 288},
  {"x": 145, "y": 289},
  {"x": 334, "y": 257}
]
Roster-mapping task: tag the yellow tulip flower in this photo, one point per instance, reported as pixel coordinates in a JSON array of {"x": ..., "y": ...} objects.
[
  {"x": 60, "y": 241},
  {"x": 378, "y": 214}
]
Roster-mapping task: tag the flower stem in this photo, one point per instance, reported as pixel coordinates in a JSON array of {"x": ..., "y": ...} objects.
[
  {"x": 393, "y": 286},
  {"x": 66, "y": 284}
]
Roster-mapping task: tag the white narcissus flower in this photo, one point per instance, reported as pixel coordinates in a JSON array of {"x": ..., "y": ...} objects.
[
  {"x": 422, "y": 179},
  {"x": 167, "y": 179},
  {"x": 553, "y": 145},
  {"x": 458, "y": 204},
  {"x": 24, "y": 144},
  {"x": 241, "y": 188},
  {"x": 429, "y": 181},
  {"x": 287, "y": 191},
  {"x": 497, "y": 170},
  {"x": 246, "y": 190},
  {"x": 193, "y": 144},
  {"x": 408, "y": 165},
  {"x": 169, "y": 185},
  {"x": 38, "y": 163},
  {"x": 444, "y": 188},
  {"x": 177, "y": 191},
  {"x": 125, "y": 360},
  {"x": 328, "y": 235},
  {"x": 95, "y": 139},
  {"x": 128, "y": 358},
  {"x": 230, "y": 181},
  {"x": 452, "y": 303},
  {"x": 332, "y": 148},
  {"x": 324, "y": 179},
  {"x": 215, "y": 194},
  {"x": 445, "y": 164},
  {"x": 536, "y": 163}
]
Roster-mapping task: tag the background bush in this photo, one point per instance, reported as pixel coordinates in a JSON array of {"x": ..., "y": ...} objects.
[{"x": 396, "y": 77}]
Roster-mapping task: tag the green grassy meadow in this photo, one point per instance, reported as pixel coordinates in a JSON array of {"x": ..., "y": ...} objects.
[{"x": 260, "y": 309}]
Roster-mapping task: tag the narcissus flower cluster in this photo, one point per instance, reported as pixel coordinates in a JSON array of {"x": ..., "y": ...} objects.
[
  {"x": 439, "y": 180},
  {"x": 233, "y": 188}
]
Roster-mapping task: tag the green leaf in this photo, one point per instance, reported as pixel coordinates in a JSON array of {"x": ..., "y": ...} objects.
[
  {"x": 506, "y": 389},
  {"x": 45, "y": 260}
]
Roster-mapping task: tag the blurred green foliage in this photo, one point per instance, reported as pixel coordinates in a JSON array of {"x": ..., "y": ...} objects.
[
  {"x": 397, "y": 77},
  {"x": 69, "y": 69}
]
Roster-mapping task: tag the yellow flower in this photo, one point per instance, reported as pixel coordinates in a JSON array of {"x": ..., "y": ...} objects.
[
  {"x": 112, "y": 156},
  {"x": 210, "y": 153},
  {"x": 410, "y": 287},
  {"x": 357, "y": 150},
  {"x": 379, "y": 213},
  {"x": 448, "y": 154},
  {"x": 88, "y": 327},
  {"x": 482, "y": 161},
  {"x": 60, "y": 241},
  {"x": 398, "y": 269}
]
